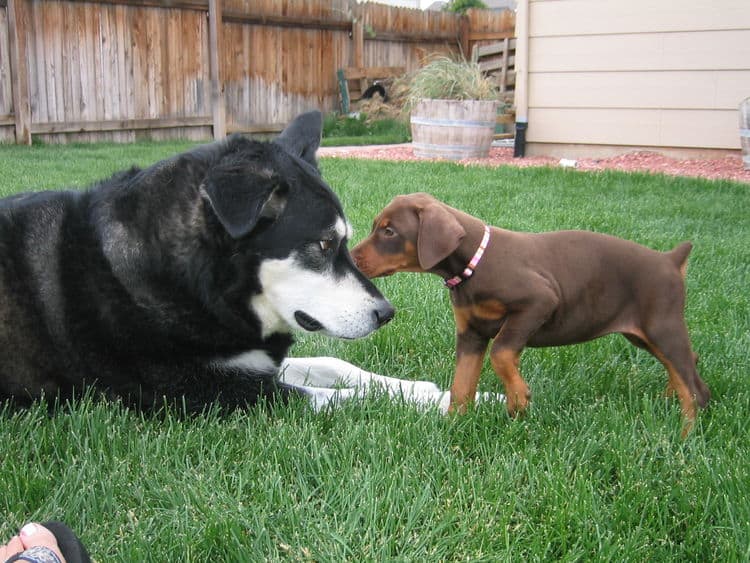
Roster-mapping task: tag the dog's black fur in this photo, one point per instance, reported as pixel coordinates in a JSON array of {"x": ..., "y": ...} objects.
[{"x": 141, "y": 285}]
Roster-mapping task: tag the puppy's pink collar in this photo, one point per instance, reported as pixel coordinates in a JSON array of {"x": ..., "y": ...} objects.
[{"x": 451, "y": 283}]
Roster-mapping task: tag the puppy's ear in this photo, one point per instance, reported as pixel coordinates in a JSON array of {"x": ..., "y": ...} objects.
[
  {"x": 240, "y": 200},
  {"x": 301, "y": 138},
  {"x": 439, "y": 235}
]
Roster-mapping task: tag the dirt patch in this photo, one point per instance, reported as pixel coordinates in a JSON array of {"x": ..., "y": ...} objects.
[{"x": 726, "y": 168}]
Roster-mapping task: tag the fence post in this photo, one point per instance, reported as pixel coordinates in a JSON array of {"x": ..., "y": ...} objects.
[
  {"x": 464, "y": 32},
  {"x": 19, "y": 72},
  {"x": 218, "y": 107}
]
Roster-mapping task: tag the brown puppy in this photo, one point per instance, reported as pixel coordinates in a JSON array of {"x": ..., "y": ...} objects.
[{"x": 546, "y": 289}]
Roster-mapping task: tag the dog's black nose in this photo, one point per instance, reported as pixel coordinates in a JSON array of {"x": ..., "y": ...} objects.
[{"x": 384, "y": 312}]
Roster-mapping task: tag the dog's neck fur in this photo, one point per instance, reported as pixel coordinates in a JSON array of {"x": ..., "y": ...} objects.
[{"x": 458, "y": 260}]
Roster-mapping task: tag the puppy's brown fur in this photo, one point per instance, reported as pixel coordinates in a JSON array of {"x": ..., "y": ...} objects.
[{"x": 546, "y": 289}]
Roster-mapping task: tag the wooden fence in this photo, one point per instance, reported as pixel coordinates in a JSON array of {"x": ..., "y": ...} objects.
[{"x": 120, "y": 70}]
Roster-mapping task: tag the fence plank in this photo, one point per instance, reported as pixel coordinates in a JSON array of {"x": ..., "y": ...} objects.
[
  {"x": 358, "y": 37},
  {"x": 286, "y": 21},
  {"x": 217, "y": 88},
  {"x": 18, "y": 28},
  {"x": 352, "y": 73},
  {"x": 197, "y": 5},
  {"x": 120, "y": 124}
]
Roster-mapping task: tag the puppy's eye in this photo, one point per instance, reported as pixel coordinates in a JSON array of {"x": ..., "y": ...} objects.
[
  {"x": 326, "y": 245},
  {"x": 388, "y": 232}
]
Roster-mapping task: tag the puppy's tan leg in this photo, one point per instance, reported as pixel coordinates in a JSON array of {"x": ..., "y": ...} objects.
[
  {"x": 670, "y": 391},
  {"x": 676, "y": 386},
  {"x": 639, "y": 340},
  {"x": 463, "y": 390},
  {"x": 675, "y": 381},
  {"x": 505, "y": 363},
  {"x": 671, "y": 346},
  {"x": 470, "y": 350},
  {"x": 507, "y": 346}
]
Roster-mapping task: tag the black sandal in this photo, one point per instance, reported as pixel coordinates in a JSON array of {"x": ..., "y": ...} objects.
[{"x": 70, "y": 546}]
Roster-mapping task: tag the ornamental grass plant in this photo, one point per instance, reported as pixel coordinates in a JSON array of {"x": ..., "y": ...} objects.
[{"x": 446, "y": 78}]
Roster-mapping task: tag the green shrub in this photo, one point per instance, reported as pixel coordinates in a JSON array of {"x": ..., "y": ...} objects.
[{"x": 460, "y": 6}]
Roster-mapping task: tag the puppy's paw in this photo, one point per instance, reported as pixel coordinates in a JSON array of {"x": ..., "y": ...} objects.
[{"x": 444, "y": 403}]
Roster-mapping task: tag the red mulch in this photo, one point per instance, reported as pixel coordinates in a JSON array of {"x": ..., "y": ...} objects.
[{"x": 726, "y": 168}]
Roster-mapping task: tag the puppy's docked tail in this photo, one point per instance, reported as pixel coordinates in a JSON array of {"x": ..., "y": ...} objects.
[{"x": 679, "y": 255}]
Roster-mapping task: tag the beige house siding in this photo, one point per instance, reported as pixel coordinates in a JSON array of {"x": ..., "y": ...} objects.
[{"x": 609, "y": 76}]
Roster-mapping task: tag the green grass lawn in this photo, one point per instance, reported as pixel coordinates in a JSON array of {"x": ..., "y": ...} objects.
[
  {"x": 341, "y": 130},
  {"x": 595, "y": 471}
]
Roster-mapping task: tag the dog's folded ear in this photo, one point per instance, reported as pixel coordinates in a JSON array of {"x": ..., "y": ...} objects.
[
  {"x": 301, "y": 138},
  {"x": 241, "y": 199},
  {"x": 439, "y": 235}
]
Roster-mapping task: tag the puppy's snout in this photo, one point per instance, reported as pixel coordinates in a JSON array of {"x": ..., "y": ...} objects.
[
  {"x": 359, "y": 259},
  {"x": 384, "y": 312}
]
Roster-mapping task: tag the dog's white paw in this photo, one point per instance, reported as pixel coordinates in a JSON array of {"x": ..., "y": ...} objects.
[
  {"x": 317, "y": 377},
  {"x": 444, "y": 402}
]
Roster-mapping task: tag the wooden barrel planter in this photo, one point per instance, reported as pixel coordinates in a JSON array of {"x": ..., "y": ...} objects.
[{"x": 453, "y": 129}]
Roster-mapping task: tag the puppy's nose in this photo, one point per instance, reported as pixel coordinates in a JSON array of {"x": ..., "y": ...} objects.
[
  {"x": 384, "y": 312},
  {"x": 359, "y": 261}
]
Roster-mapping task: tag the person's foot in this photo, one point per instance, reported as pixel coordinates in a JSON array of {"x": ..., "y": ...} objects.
[{"x": 34, "y": 543}]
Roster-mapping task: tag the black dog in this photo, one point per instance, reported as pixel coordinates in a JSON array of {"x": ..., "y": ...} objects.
[{"x": 182, "y": 281}]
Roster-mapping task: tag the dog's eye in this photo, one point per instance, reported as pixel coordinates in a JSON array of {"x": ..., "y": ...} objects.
[
  {"x": 388, "y": 232},
  {"x": 326, "y": 245}
]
